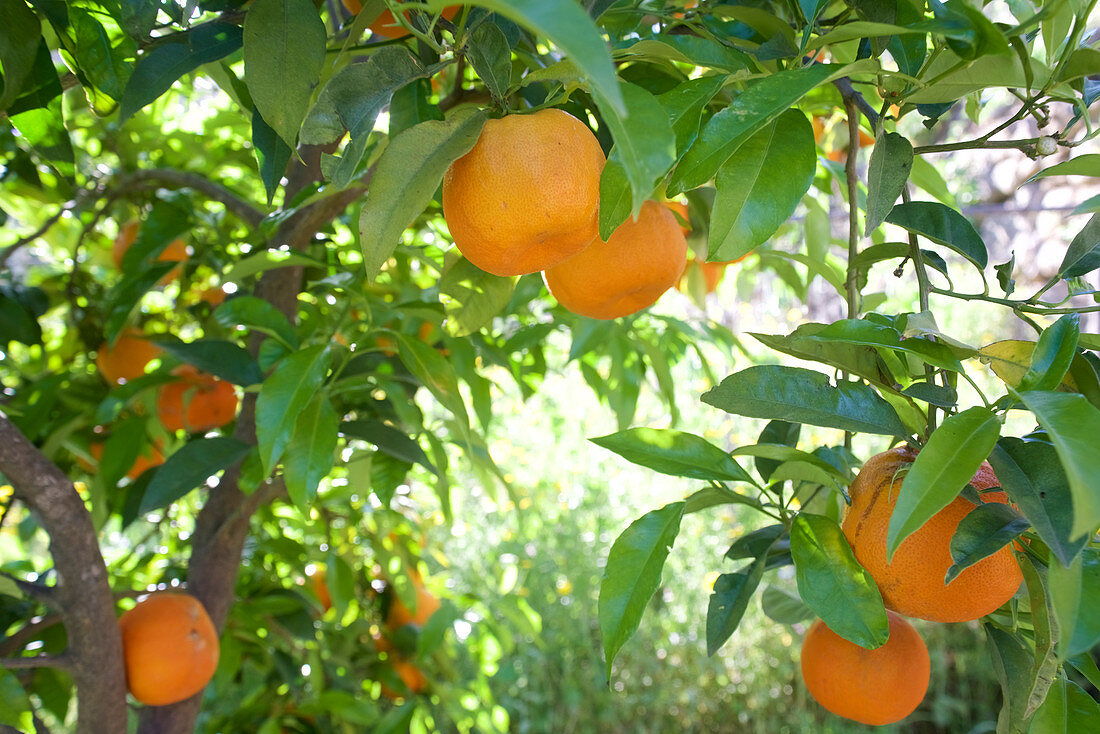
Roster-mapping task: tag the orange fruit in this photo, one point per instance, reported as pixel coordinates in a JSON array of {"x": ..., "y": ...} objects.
[
  {"x": 818, "y": 124},
  {"x": 527, "y": 195},
  {"x": 912, "y": 583},
  {"x": 640, "y": 260},
  {"x": 176, "y": 251},
  {"x": 386, "y": 25},
  {"x": 197, "y": 402},
  {"x": 400, "y": 615},
  {"x": 149, "y": 457},
  {"x": 125, "y": 360},
  {"x": 317, "y": 580},
  {"x": 874, "y": 687},
  {"x": 170, "y": 648},
  {"x": 215, "y": 296}
]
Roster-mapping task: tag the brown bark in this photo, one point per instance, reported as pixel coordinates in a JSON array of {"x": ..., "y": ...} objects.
[{"x": 82, "y": 595}]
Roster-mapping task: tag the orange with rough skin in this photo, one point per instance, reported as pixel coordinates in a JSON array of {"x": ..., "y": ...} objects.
[
  {"x": 127, "y": 358},
  {"x": 527, "y": 195},
  {"x": 170, "y": 648},
  {"x": 912, "y": 583},
  {"x": 149, "y": 457},
  {"x": 640, "y": 261},
  {"x": 197, "y": 402},
  {"x": 876, "y": 687},
  {"x": 176, "y": 251}
]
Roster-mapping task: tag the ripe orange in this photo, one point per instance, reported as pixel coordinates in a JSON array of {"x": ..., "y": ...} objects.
[
  {"x": 640, "y": 260},
  {"x": 875, "y": 687},
  {"x": 318, "y": 582},
  {"x": 912, "y": 583},
  {"x": 818, "y": 124},
  {"x": 400, "y": 615},
  {"x": 176, "y": 251},
  {"x": 149, "y": 457},
  {"x": 125, "y": 360},
  {"x": 386, "y": 25},
  {"x": 197, "y": 402},
  {"x": 170, "y": 648},
  {"x": 527, "y": 194}
]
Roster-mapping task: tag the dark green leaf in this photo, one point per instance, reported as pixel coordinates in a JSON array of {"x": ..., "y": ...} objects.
[
  {"x": 1068, "y": 709},
  {"x": 102, "y": 60},
  {"x": 390, "y": 440},
  {"x": 1083, "y": 254},
  {"x": 693, "y": 50},
  {"x": 713, "y": 496},
  {"x": 805, "y": 396},
  {"x": 15, "y": 706},
  {"x": 633, "y": 573},
  {"x": 1053, "y": 354},
  {"x": 1084, "y": 633},
  {"x": 309, "y": 455},
  {"x": 272, "y": 154},
  {"x": 475, "y": 297},
  {"x": 674, "y": 452},
  {"x": 685, "y": 103},
  {"x": 284, "y": 52},
  {"x": 189, "y": 468},
  {"x": 1012, "y": 664},
  {"x": 19, "y": 39},
  {"x": 779, "y": 432},
  {"x": 943, "y": 467},
  {"x": 729, "y": 600},
  {"x": 834, "y": 585},
  {"x": 783, "y": 607},
  {"x": 758, "y": 542},
  {"x": 944, "y": 226},
  {"x": 406, "y": 178},
  {"x": 1082, "y": 165},
  {"x": 258, "y": 315},
  {"x": 435, "y": 373},
  {"x": 984, "y": 531},
  {"x": 285, "y": 394},
  {"x": 858, "y": 360},
  {"x": 751, "y": 201},
  {"x": 491, "y": 58},
  {"x": 938, "y": 395},
  {"x": 860, "y": 331},
  {"x": 887, "y": 174},
  {"x": 223, "y": 359}
]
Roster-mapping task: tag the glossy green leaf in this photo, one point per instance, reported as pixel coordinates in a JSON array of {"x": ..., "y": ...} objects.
[
  {"x": 674, "y": 452},
  {"x": 944, "y": 466},
  {"x": 1082, "y": 165},
  {"x": 475, "y": 297},
  {"x": 1068, "y": 709},
  {"x": 1073, "y": 425},
  {"x": 984, "y": 531},
  {"x": 435, "y": 373},
  {"x": 784, "y": 607},
  {"x": 715, "y": 495},
  {"x": 939, "y": 395},
  {"x": 218, "y": 357},
  {"x": 861, "y": 331},
  {"x": 283, "y": 396},
  {"x": 406, "y": 178},
  {"x": 751, "y": 201},
  {"x": 15, "y": 706},
  {"x": 1080, "y": 626},
  {"x": 1012, "y": 664},
  {"x": 258, "y": 315},
  {"x": 1083, "y": 254},
  {"x": 687, "y": 49},
  {"x": 104, "y": 59},
  {"x": 887, "y": 174},
  {"x": 728, "y": 601},
  {"x": 758, "y": 106},
  {"x": 264, "y": 260},
  {"x": 38, "y": 116},
  {"x": 189, "y": 468},
  {"x": 779, "y": 432},
  {"x": 491, "y": 58},
  {"x": 1032, "y": 475},
  {"x": 833, "y": 584},
  {"x": 163, "y": 65},
  {"x": 632, "y": 575},
  {"x": 1053, "y": 354},
  {"x": 309, "y": 455},
  {"x": 272, "y": 154},
  {"x": 284, "y": 52},
  {"x": 804, "y": 396},
  {"x": 19, "y": 39},
  {"x": 944, "y": 226},
  {"x": 955, "y": 78},
  {"x": 389, "y": 440},
  {"x": 684, "y": 104},
  {"x": 857, "y": 360}
]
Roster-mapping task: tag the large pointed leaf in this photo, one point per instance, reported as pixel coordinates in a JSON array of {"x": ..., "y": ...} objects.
[
  {"x": 984, "y": 531},
  {"x": 728, "y": 601},
  {"x": 751, "y": 201},
  {"x": 19, "y": 41},
  {"x": 284, "y": 52},
  {"x": 1053, "y": 354},
  {"x": 834, "y": 585},
  {"x": 389, "y": 440},
  {"x": 943, "y": 467},
  {"x": 435, "y": 373},
  {"x": 1083, "y": 254},
  {"x": 406, "y": 178},
  {"x": 804, "y": 396},
  {"x": 887, "y": 174},
  {"x": 218, "y": 357},
  {"x": 1068, "y": 709},
  {"x": 944, "y": 226},
  {"x": 189, "y": 468},
  {"x": 674, "y": 452},
  {"x": 1073, "y": 425},
  {"x": 283, "y": 396},
  {"x": 633, "y": 573},
  {"x": 309, "y": 455},
  {"x": 861, "y": 331}
]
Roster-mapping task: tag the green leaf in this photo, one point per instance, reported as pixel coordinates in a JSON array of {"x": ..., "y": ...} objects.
[
  {"x": 162, "y": 65},
  {"x": 728, "y": 601},
  {"x": 784, "y": 607},
  {"x": 189, "y": 468},
  {"x": 858, "y": 360},
  {"x": 632, "y": 575},
  {"x": 674, "y": 452},
  {"x": 984, "y": 531},
  {"x": 1082, "y": 165},
  {"x": 1073, "y": 425},
  {"x": 944, "y": 226},
  {"x": 309, "y": 455},
  {"x": 1083, "y": 254},
  {"x": 406, "y": 178},
  {"x": 754, "y": 109},
  {"x": 15, "y": 706},
  {"x": 218, "y": 357},
  {"x": 258, "y": 315},
  {"x": 103, "y": 61},
  {"x": 272, "y": 154},
  {"x": 713, "y": 496},
  {"x": 938, "y": 395},
  {"x": 833, "y": 584},
  {"x": 804, "y": 396},
  {"x": 944, "y": 466},
  {"x": 1081, "y": 632},
  {"x": 1053, "y": 354},
  {"x": 436, "y": 373},
  {"x": 779, "y": 432},
  {"x": 1068, "y": 709},
  {"x": 284, "y": 52},
  {"x": 685, "y": 102},
  {"x": 19, "y": 39},
  {"x": 285, "y": 394},
  {"x": 1031, "y": 474},
  {"x": 264, "y": 260},
  {"x": 887, "y": 174},
  {"x": 685, "y": 49},
  {"x": 751, "y": 201},
  {"x": 389, "y": 440},
  {"x": 860, "y": 331},
  {"x": 491, "y": 58},
  {"x": 956, "y": 78},
  {"x": 475, "y": 297},
  {"x": 38, "y": 115},
  {"x": 1012, "y": 664},
  {"x": 615, "y": 196}
]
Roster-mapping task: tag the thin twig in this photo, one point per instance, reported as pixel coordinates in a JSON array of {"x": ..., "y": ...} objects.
[
  {"x": 24, "y": 241},
  {"x": 61, "y": 662},
  {"x": 849, "y": 94},
  {"x": 16, "y": 641},
  {"x": 39, "y": 592},
  {"x": 170, "y": 178}
]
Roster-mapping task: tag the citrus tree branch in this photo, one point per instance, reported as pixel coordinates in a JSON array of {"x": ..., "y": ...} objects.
[
  {"x": 84, "y": 597},
  {"x": 61, "y": 662},
  {"x": 39, "y": 592},
  {"x": 173, "y": 179}
]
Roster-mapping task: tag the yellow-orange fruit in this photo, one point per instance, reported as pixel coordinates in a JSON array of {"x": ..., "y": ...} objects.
[
  {"x": 876, "y": 687},
  {"x": 176, "y": 251},
  {"x": 400, "y": 615},
  {"x": 912, "y": 583},
  {"x": 318, "y": 581},
  {"x": 640, "y": 260},
  {"x": 126, "y": 359},
  {"x": 527, "y": 195},
  {"x": 170, "y": 648},
  {"x": 149, "y": 457},
  {"x": 197, "y": 402}
]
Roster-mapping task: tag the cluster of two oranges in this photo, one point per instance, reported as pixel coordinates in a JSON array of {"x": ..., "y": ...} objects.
[
  {"x": 526, "y": 199},
  {"x": 885, "y": 685}
]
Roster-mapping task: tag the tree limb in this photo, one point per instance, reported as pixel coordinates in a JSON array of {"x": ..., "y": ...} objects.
[
  {"x": 170, "y": 178},
  {"x": 39, "y": 592},
  {"x": 62, "y": 662}
]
